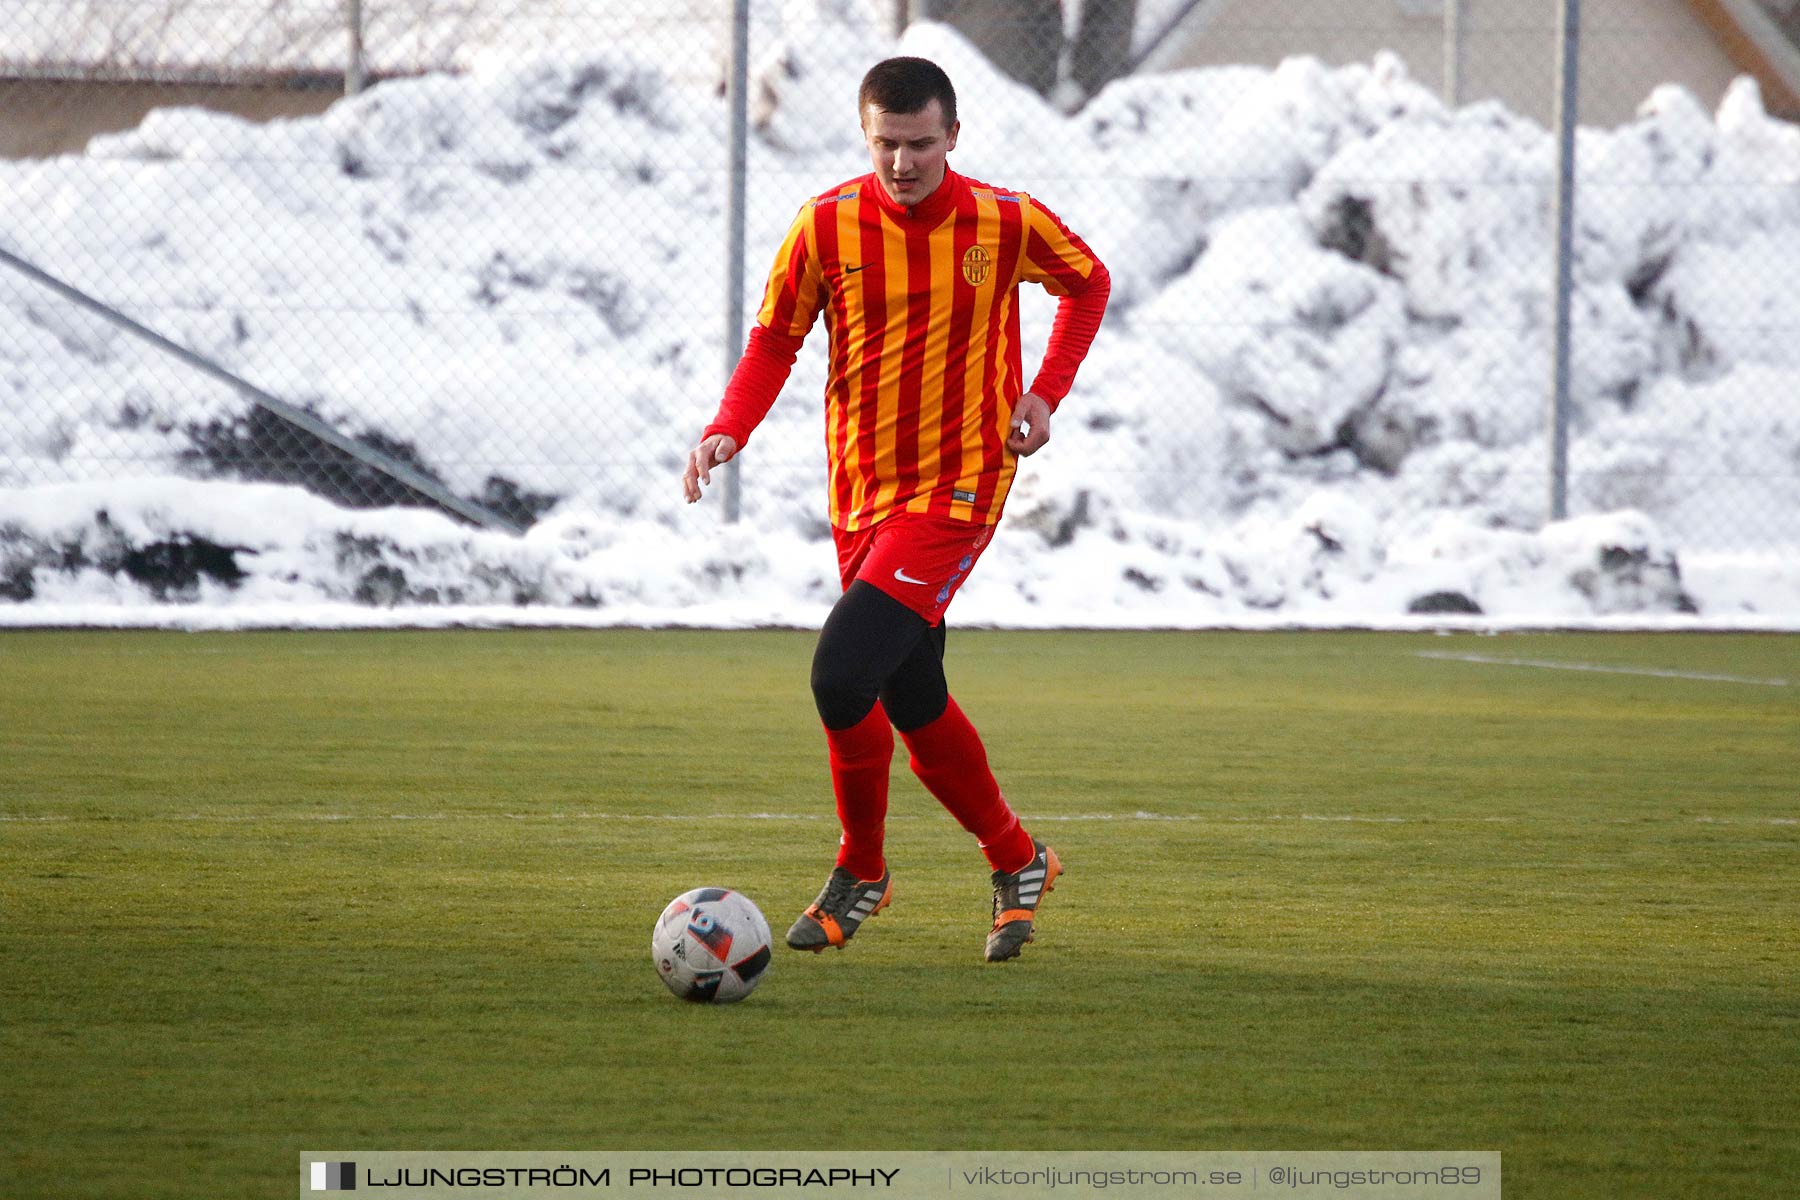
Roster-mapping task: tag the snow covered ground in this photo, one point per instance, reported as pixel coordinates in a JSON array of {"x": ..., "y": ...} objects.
[{"x": 1319, "y": 399}]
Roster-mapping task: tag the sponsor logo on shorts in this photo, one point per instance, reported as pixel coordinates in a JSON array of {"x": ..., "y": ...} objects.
[{"x": 903, "y": 577}]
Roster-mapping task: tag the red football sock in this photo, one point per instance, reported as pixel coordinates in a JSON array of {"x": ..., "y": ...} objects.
[
  {"x": 860, "y": 756},
  {"x": 948, "y": 758}
]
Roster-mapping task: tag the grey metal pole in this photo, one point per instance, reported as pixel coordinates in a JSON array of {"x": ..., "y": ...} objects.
[
  {"x": 1155, "y": 41},
  {"x": 354, "y": 74},
  {"x": 1453, "y": 53},
  {"x": 737, "y": 100},
  {"x": 299, "y": 418},
  {"x": 1568, "y": 54}
]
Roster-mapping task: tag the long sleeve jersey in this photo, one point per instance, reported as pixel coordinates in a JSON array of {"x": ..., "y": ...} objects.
[{"x": 921, "y": 308}]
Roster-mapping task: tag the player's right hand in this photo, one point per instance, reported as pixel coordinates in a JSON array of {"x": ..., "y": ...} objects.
[{"x": 711, "y": 452}]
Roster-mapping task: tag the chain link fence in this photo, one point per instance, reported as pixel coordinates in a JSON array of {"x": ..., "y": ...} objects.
[{"x": 494, "y": 281}]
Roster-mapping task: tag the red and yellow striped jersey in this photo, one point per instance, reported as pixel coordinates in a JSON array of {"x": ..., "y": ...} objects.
[{"x": 921, "y": 309}]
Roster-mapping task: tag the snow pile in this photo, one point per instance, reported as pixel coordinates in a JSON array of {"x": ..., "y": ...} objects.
[
  {"x": 262, "y": 546},
  {"x": 1319, "y": 396}
]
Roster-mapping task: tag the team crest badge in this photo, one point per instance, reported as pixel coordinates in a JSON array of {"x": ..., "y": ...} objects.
[{"x": 976, "y": 266}]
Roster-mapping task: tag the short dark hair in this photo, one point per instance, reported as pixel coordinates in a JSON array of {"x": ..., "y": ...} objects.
[{"x": 907, "y": 85}]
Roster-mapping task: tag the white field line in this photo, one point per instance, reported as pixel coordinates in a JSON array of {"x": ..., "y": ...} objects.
[
  {"x": 273, "y": 818},
  {"x": 1601, "y": 668},
  {"x": 1032, "y": 818}
]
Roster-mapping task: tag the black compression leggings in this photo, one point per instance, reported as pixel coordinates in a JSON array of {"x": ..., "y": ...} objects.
[{"x": 873, "y": 647}]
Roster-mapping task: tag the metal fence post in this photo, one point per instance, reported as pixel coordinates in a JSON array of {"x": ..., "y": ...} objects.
[
  {"x": 354, "y": 74},
  {"x": 737, "y": 100},
  {"x": 1453, "y": 53},
  {"x": 1568, "y": 52}
]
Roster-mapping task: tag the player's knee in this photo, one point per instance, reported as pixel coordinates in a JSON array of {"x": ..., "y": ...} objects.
[
  {"x": 913, "y": 703},
  {"x": 843, "y": 693}
]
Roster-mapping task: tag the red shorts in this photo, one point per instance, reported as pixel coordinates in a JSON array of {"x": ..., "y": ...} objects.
[{"x": 917, "y": 559}]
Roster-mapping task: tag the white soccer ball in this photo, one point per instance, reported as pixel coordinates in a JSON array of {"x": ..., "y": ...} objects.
[{"x": 711, "y": 946}]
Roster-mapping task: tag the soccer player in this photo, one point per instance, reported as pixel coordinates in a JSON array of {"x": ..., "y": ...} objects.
[{"x": 916, "y": 270}]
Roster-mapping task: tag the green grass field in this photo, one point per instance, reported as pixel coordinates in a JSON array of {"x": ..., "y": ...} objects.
[{"x": 267, "y": 892}]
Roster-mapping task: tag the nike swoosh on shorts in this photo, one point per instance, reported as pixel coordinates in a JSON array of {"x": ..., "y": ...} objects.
[{"x": 903, "y": 577}]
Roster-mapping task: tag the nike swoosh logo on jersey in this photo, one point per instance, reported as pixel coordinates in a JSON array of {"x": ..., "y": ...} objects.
[
  {"x": 854, "y": 270},
  {"x": 903, "y": 577}
]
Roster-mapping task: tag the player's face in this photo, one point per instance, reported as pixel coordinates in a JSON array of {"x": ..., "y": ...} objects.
[{"x": 908, "y": 149}]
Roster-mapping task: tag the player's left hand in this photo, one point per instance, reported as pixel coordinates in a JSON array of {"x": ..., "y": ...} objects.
[
  {"x": 1030, "y": 425},
  {"x": 714, "y": 451}
]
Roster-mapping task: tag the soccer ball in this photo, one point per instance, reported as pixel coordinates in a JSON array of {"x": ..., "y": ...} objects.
[{"x": 711, "y": 946}]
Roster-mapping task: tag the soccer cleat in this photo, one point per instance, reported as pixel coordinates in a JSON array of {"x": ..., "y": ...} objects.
[
  {"x": 841, "y": 908},
  {"x": 1016, "y": 899}
]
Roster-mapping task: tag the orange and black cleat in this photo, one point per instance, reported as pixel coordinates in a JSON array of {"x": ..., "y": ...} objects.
[
  {"x": 1016, "y": 898},
  {"x": 840, "y": 910}
]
